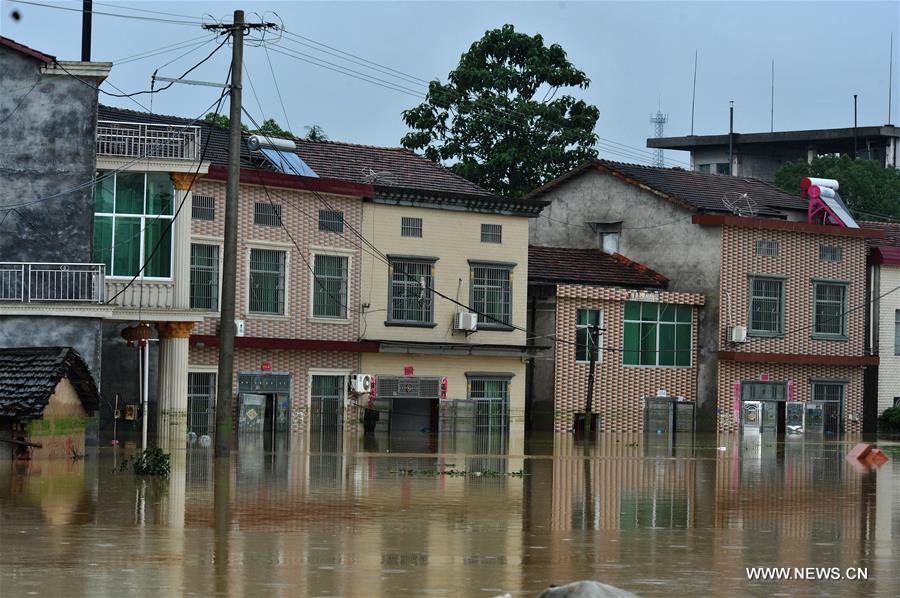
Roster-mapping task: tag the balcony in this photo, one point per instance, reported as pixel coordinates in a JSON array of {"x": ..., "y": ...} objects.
[
  {"x": 31, "y": 282},
  {"x": 139, "y": 140}
]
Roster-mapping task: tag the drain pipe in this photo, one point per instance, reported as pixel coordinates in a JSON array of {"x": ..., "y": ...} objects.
[{"x": 145, "y": 390}]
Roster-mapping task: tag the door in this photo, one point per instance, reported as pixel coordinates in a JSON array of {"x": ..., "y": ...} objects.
[
  {"x": 794, "y": 417},
  {"x": 253, "y": 413},
  {"x": 831, "y": 415},
  {"x": 326, "y": 402},
  {"x": 752, "y": 416}
]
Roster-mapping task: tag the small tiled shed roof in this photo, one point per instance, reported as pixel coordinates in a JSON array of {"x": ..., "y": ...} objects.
[
  {"x": 380, "y": 166},
  {"x": 886, "y": 249},
  {"x": 28, "y": 377},
  {"x": 694, "y": 190},
  {"x": 589, "y": 267},
  {"x": 23, "y": 49}
]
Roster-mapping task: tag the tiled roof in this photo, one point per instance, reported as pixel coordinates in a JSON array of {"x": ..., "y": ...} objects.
[
  {"x": 386, "y": 167},
  {"x": 28, "y": 377},
  {"x": 891, "y": 233},
  {"x": 14, "y": 45},
  {"x": 695, "y": 190},
  {"x": 589, "y": 267}
]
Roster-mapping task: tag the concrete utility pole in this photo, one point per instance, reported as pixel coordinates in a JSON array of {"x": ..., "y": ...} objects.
[
  {"x": 588, "y": 415},
  {"x": 731, "y": 138},
  {"x": 224, "y": 431},
  {"x": 87, "y": 11}
]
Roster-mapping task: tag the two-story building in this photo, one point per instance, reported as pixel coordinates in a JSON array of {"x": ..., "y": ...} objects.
[{"x": 747, "y": 248}]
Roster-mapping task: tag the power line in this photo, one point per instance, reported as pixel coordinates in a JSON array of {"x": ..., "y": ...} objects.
[
  {"x": 161, "y": 50},
  {"x": 108, "y": 14}
]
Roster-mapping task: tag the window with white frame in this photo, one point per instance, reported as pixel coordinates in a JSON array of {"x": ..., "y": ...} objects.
[
  {"x": 586, "y": 319},
  {"x": 330, "y": 286},
  {"x": 133, "y": 223},
  {"x": 491, "y": 233},
  {"x": 203, "y": 207},
  {"x": 830, "y": 311},
  {"x": 267, "y": 281},
  {"x": 491, "y": 396},
  {"x": 657, "y": 334},
  {"x": 266, "y": 214},
  {"x": 411, "y": 300},
  {"x": 491, "y": 294},
  {"x": 410, "y": 227},
  {"x": 766, "y": 305},
  {"x": 204, "y": 276}
]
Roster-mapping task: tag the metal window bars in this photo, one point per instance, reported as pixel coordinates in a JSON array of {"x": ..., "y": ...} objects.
[
  {"x": 491, "y": 233},
  {"x": 492, "y": 295},
  {"x": 203, "y": 207},
  {"x": 30, "y": 282},
  {"x": 829, "y": 308},
  {"x": 766, "y": 305},
  {"x": 331, "y": 221},
  {"x": 201, "y": 402},
  {"x": 204, "y": 276},
  {"x": 411, "y": 291},
  {"x": 267, "y": 281},
  {"x": 266, "y": 214},
  {"x": 410, "y": 227},
  {"x": 330, "y": 286}
]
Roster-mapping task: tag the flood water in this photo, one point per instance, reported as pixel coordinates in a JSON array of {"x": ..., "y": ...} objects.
[{"x": 348, "y": 516}]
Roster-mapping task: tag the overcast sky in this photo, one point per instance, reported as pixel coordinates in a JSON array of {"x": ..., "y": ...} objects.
[{"x": 639, "y": 55}]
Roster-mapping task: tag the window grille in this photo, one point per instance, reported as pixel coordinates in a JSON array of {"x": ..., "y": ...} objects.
[
  {"x": 203, "y": 207},
  {"x": 491, "y": 233},
  {"x": 586, "y": 320},
  {"x": 766, "y": 248},
  {"x": 491, "y": 396},
  {"x": 492, "y": 295},
  {"x": 657, "y": 334},
  {"x": 267, "y": 281},
  {"x": 830, "y": 309},
  {"x": 410, "y": 227},
  {"x": 828, "y": 391},
  {"x": 201, "y": 402},
  {"x": 266, "y": 214},
  {"x": 411, "y": 296},
  {"x": 831, "y": 253},
  {"x": 326, "y": 398},
  {"x": 766, "y": 305},
  {"x": 331, "y": 221},
  {"x": 330, "y": 287},
  {"x": 204, "y": 276}
]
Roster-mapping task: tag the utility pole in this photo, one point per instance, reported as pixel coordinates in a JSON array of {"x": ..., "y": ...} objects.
[
  {"x": 588, "y": 414},
  {"x": 854, "y": 126},
  {"x": 86, "y": 18},
  {"x": 224, "y": 431},
  {"x": 731, "y": 138}
]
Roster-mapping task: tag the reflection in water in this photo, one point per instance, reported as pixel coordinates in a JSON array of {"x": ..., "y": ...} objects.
[{"x": 328, "y": 514}]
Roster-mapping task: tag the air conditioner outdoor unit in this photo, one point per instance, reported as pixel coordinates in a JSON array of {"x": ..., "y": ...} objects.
[
  {"x": 737, "y": 334},
  {"x": 360, "y": 383},
  {"x": 465, "y": 321}
]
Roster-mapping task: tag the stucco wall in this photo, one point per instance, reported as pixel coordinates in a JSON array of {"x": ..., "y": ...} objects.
[
  {"x": 454, "y": 237},
  {"x": 82, "y": 334},
  {"x": 656, "y": 233},
  {"x": 121, "y": 377},
  {"x": 889, "y": 365}
]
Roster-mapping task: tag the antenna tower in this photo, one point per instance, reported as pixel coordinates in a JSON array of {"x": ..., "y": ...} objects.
[{"x": 659, "y": 122}]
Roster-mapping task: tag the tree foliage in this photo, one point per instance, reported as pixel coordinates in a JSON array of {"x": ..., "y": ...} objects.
[
  {"x": 871, "y": 191},
  {"x": 497, "y": 120},
  {"x": 316, "y": 133}
]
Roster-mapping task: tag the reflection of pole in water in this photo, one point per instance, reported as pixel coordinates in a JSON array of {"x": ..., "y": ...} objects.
[{"x": 222, "y": 523}]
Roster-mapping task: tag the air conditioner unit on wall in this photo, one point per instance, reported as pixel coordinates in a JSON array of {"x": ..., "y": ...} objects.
[
  {"x": 465, "y": 321},
  {"x": 737, "y": 334},
  {"x": 360, "y": 383}
]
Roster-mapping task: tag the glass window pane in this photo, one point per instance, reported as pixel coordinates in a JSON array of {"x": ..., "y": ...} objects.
[
  {"x": 204, "y": 276},
  {"x": 160, "y": 193},
  {"x": 104, "y": 193},
  {"x": 632, "y": 310},
  {"x": 160, "y": 264},
  {"x": 649, "y": 311},
  {"x": 130, "y": 193},
  {"x": 127, "y": 252},
  {"x": 684, "y": 313},
  {"x": 631, "y": 343},
  {"x": 267, "y": 281},
  {"x": 103, "y": 241},
  {"x": 330, "y": 286},
  {"x": 667, "y": 312},
  {"x": 683, "y": 345},
  {"x": 666, "y": 344},
  {"x": 648, "y": 344}
]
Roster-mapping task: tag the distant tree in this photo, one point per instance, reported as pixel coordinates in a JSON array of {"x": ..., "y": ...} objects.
[
  {"x": 316, "y": 133},
  {"x": 498, "y": 122},
  {"x": 221, "y": 121},
  {"x": 871, "y": 191},
  {"x": 273, "y": 129}
]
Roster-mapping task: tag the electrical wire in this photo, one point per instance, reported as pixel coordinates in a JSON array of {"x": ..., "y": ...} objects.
[
  {"x": 108, "y": 14},
  {"x": 162, "y": 50}
]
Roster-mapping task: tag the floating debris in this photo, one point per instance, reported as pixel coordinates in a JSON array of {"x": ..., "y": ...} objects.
[{"x": 458, "y": 473}]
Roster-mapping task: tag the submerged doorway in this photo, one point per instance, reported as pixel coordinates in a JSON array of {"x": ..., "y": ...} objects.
[
  {"x": 763, "y": 407},
  {"x": 265, "y": 403}
]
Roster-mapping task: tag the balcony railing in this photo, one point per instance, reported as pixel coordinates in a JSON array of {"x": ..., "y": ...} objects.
[
  {"x": 29, "y": 282},
  {"x": 138, "y": 140}
]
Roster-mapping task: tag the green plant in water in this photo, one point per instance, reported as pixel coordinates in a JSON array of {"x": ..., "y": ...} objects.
[
  {"x": 891, "y": 419},
  {"x": 152, "y": 461}
]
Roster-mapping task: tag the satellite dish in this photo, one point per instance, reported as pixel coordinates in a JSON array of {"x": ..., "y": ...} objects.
[
  {"x": 740, "y": 204},
  {"x": 371, "y": 176}
]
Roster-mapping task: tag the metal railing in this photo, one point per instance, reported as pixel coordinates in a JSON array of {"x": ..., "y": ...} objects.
[
  {"x": 139, "y": 140},
  {"x": 31, "y": 282}
]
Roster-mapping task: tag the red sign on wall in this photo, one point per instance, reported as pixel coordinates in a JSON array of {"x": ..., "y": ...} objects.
[
  {"x": 266, "y": 366},
  {"x": 408, "y": 370}
]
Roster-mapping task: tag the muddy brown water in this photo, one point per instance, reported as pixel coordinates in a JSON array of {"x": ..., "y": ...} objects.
[{"x": 348, "y": 516}]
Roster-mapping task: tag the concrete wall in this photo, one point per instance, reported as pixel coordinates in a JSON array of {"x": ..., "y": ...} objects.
[
  {"x": 541, "y": 393},
  {"x": 82, "y": 334},
  {"x": 889, "y": 366},
  {"x": 656, "y": 233},
  {"x": 120, "y": 377}
]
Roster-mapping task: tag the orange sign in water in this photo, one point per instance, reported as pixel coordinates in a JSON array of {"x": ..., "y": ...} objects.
[{"x": 408, "y": 370}]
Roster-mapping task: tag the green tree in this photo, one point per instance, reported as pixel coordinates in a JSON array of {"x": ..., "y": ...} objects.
[
  {"x": 871, "y": 191},
  {"x": 221, "y": 121},
  {"x": 273, "y": 129},
  {"x": 498, "y": 121},
  {"x": 316, "y": 133}
]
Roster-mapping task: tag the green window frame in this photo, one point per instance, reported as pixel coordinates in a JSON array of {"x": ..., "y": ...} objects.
[
  {"x": 766, "y": 306},
  {"x": 409, "y": 300},
  {"x": 829, "y": 309},
  {"x": 657, "y": 334},
  {"x": 490, "y": 393},
  {"x": 267, "y": 281},
  {"x": 491, "y": 295},
  {"x": 133, "y": 213},
  {"x": 330, "y": 286},
  {"x": 586, "y": 319},
  {"x": 204, "y": 276}
]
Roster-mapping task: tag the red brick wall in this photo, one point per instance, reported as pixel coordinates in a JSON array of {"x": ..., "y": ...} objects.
[
  {"x": 618, "y": 389},
  {"x": 300, "y": 211}
]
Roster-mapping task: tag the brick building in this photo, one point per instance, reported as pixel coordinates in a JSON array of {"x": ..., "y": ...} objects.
[{"x": 647, "y": 348}]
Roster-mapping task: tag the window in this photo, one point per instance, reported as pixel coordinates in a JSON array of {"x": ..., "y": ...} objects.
[
  {"x": 201, "y": 403},
  {"x": 267, "y": 281},
  {"x": 828, "y": 391},
  {"x": 330, "y": 287},
  {"x": 410, "y": 298},
  {"x": 203, "y": 207},
  {"x": 608, "y": 233},
  {"x": 492, "y": 295},
  {"x": 765, "y": 248},
  {"x": 830, "y": 253},
  {"x": 491, "y": 233},
  {"x": 896, "y": 401},
  {"x": 266, "y": 214},
  {"x": 658, "y": 334},
  {"x": 491, "y": 396},
  {"x": 410, "y": 227},
  {"x": 722, "y": 168},
  {"x": 704, "y": 168},
  {"x": 132, "y": 223},
  {"x": 586, "y": 320},
  {"x": 830, "y": 313},
  {"x": 204, "y": 276},
  {"x": 331, "y": 221},
  {"x": 326, "y": 402},
  {"x": 766, "y": 305}
]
